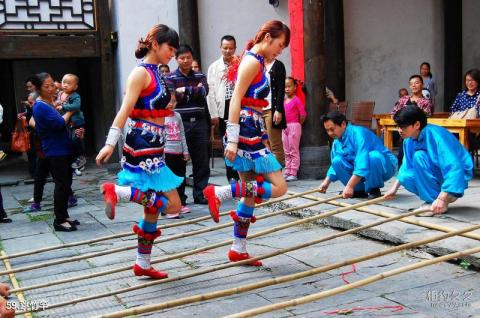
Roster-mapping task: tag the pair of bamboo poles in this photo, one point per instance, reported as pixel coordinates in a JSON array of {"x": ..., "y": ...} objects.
[{"x": 318, "y": 201}]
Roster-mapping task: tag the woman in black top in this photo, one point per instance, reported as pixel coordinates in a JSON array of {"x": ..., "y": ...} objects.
[{"x": 275, "y": 116}]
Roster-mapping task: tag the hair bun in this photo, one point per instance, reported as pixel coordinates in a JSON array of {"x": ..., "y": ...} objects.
[{"x": 141, "y": 52}]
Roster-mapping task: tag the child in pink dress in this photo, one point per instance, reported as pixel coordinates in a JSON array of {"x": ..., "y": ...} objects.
[{"x": 295, "y": 115}]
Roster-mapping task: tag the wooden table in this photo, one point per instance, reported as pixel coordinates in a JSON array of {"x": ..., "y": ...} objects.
[
  {"x": 462, "y": 127},
  {"x": 388, "y": 115}
]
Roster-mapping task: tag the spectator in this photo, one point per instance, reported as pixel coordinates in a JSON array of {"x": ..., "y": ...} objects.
[
  {"x": 27, "y": 114},
  {"x": 295, "y": 116},
  {"x": 30, "y": 86},
  {"x": 274, "y": 113},
  {"x": 429, "y": 87},
  {"x": 176, "y": 156},
  {"x": 191, "y": 90},
  {"x": 416, "y": 85},
  {"x": 221, "y": 90},
  {"x": 42, "y": 170},
  {"x": 467, "y": 102},
  {"x": 417, "y": 99},
  {"x": 196, "y": 66},
  {"x": 3, "y": 215},
  {"x": 56, "y": 145},
  {"x": 164, "y": 69},
  {"x": 69, "y": 101},
  {"x": 402, "y": 92}
]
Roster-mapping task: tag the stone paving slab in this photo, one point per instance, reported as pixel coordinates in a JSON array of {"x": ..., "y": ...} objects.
[{"x": 407, "y": 290}]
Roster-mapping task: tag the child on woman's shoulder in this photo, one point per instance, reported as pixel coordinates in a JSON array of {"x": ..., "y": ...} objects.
[{"x": 69, "y": 100}]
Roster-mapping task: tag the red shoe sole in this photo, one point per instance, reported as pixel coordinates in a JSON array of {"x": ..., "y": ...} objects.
[
  {"x": 209, "y": 194},
  {"x": 236, "y": 257},
  {"x": 151, "y": 272},
  {"x": 110, "y": 199}
]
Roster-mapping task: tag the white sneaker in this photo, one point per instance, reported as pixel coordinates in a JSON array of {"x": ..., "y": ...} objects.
[
  {"x": 291, "y": 178},
  {"x": 31, "y": 200},
  {"x": 78, "y": 172},
  {"x": 184, "y": 209}
]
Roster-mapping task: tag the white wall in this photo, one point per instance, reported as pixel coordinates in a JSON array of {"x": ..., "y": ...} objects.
[
  {"x": 132, "y": 19},
  {"x": 242, "y": 19},
  {"x": 385, "y": 43},
  {"x": 471, "y": 34}
]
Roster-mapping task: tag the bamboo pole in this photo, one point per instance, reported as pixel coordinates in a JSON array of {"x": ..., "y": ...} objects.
[
  {"x": 360, "y": 283},
  {"x": 162, "y": 259},
  {"x": 423, "y": 224},
  {"x": 13, "y": 279},
  {"x": 130, "y": 233},
  {"x": 169, "y": 238},
  {"x": 219, "y": 267},
  {"x": 283, "y": 279}
]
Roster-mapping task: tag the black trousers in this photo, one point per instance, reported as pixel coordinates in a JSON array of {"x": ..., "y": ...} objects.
[
  {"x": 179, "y": 167},
  {"x": 32, "y": 156},
  {"x": 41, "y": 173},
  {"x": 231, "y": 174},
  {"x": 62, "y": 176},
  {"x": 196, "y": 133},
  {"x": 3, "y": 214}
]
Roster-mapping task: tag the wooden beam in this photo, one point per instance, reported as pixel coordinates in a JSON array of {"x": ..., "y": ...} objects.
[
  {"x": 314, "y": 150},
  {"x": 37, "y": 47},
  {"x": 107, "y": 110}
]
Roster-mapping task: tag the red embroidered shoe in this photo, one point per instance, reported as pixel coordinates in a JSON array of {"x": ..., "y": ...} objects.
[
  {"x": 151, "y": 272},
  {"x": 110, "y": 198},
  {"x": 213, "y": 202},
  {"x": 235, "y": 257}
]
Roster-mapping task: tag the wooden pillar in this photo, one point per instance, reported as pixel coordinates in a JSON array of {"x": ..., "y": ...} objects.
[
  {"x": 188, "y": 25},
  {"x": 314, "y": 151},
  {"x": 335, "y": 47},
  {"x": 453, "y": 51},
  {"x": 107, "y": 111}
]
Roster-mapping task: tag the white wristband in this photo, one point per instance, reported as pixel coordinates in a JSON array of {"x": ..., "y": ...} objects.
[
  {"x": 233, "y": 131},
  {"x": 114, "y": 135}
]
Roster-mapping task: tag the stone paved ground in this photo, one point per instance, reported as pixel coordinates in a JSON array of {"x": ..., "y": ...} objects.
[{"x": 442, "y": 290}]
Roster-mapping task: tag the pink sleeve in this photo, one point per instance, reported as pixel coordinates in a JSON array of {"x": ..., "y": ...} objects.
[{"x": 300, "y": 107}]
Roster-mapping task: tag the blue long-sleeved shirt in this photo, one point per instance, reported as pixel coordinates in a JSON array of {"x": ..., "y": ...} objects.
[
  {"x": 355, "y": 145},
  {"x": 51, "y": 129},
  {"x": 449, "y": 157}
]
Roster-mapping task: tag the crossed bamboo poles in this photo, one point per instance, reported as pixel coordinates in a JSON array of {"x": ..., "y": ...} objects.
[{"x": 274, "y": 229}]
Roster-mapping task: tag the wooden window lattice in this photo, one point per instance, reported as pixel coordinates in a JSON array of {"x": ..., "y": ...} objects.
[{"x": 47, "y": 15}]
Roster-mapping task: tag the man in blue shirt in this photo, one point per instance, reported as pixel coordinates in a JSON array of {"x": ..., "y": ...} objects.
[
  {"x": 436, "y": 167},
  {"x": 191, "y": 89},
  {"x": 359, "y": 159}
]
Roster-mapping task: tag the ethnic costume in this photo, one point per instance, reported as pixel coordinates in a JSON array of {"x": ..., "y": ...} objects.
[
  {"x": 252, "y": 155},
  {"x": 359, "y": 152},
  {"x": 144, "y": 176},
  {"x": 435, "y": 162}
]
